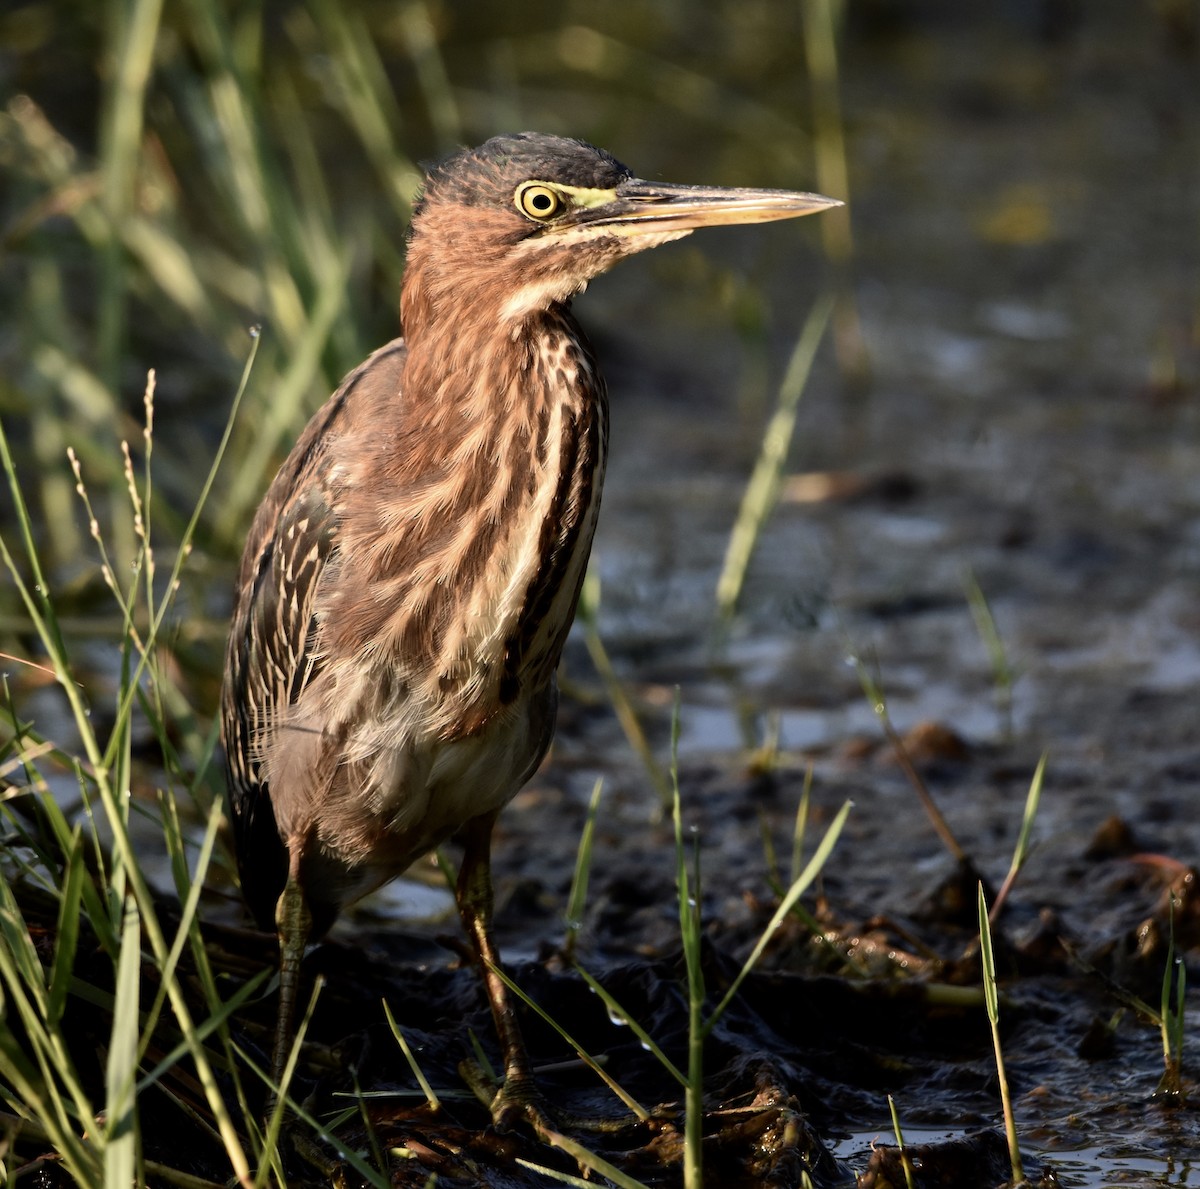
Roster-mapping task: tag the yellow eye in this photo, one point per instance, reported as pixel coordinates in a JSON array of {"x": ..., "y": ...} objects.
[{"x": 538, "y": 201}]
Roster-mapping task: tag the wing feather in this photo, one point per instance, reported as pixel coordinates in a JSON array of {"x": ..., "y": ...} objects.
[{"x": 274, "y": 652}]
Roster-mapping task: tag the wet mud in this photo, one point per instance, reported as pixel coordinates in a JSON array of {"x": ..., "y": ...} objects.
[{"x": 883, "y": 999}]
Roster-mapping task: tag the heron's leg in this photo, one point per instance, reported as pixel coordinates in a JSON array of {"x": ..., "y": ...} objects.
[
  {"x": 474, "y": 895},
  {"x": 293, "y": 921}
]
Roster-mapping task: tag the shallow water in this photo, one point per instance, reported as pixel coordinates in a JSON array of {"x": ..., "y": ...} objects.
[
  {"x": 1094, "y": 1167},
  {"x": 1015, "y": 413}
]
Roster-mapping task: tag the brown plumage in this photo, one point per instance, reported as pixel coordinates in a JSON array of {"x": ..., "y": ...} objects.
[{"x": 410, "y": 578}]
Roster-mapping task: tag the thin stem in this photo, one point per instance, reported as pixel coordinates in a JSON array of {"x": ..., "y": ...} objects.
[{"x": 992, "y": 998}]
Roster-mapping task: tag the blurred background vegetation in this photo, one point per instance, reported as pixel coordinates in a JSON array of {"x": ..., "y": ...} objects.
[{"x": 176, "y": 174}]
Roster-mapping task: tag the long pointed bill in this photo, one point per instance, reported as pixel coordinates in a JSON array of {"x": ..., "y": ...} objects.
[{"x": 654, "y": 207}]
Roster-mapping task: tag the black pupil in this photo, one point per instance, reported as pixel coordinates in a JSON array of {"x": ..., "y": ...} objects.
[{"x": 542, "y": 201}]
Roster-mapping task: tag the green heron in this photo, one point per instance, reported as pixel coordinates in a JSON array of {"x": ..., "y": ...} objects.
[{"x": 410, "y": 578}]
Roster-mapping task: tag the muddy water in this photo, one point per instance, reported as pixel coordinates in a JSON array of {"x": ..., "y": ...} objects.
[
  {"x": 1026, "y": 277},
  {"x": 1025, "y": 272}
]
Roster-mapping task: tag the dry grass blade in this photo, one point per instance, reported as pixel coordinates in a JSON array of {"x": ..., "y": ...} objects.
[
  {"x": 588, "y": 614},
  {"x": 874, "y": 694}
]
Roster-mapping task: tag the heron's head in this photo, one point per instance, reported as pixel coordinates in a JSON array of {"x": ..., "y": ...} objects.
[{"x": 526, "y": 220}]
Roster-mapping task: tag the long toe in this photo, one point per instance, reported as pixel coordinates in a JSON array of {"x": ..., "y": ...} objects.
[{"x": 517, "y": 1100}]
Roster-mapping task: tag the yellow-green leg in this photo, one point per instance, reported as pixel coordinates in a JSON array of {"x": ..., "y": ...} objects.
[
  {"x": 519, "y": 1095},
  {"x": 293, "y": 921}
]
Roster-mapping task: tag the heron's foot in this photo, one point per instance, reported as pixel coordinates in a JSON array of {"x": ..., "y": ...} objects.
[
  {"x": 519, "y": 1100},
  {"x": 314, "y": 1156}
]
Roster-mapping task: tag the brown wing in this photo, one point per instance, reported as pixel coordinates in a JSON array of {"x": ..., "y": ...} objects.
[{"x": 272, "y": 652}]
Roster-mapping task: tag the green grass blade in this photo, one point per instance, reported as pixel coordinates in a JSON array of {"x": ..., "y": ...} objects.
[
  {"x": 421, "y": 38},
  {"x": 577, "y": 900},
  {"x": 18, "y": 953},
  {"x": 691, "y": 938},
  {"x": 799, "y": 886},
  {"x": 1178, "y": 1031},
  {"x": 373, "y": 1177},
  {"x": 42, "y": 1073},
  {"x": 1171, "y": 1013},
  {"x": 40, "y": 610},
  {"x": 875, "y": 696},
  {"x": 1004, "y": 675},
  {"x": 588, "y": 616},
  {"x": 67, "y": 934},
  {"x": 822, "y": 18},
  {"x": 800, "y": 827},
  {"x": 988, "y": 961},
  {"x": 120, "y": 1078},
  {"x": 992, "y": 999},
  {"x": 618, "y": 1013},
  {"x": 366, "y": 97},
  {"x": 288, "y": 394},
  {"x": 761, "y": 492},
  {"x": 905, "y": 1162},
  {"x": 132, "y": 53},
  {"x": 588, "y": 1159},
  {"x": 1021, "y": 850},
  {"x": 584, "y": 1056},
  {"x": 422, "y": 1081}
]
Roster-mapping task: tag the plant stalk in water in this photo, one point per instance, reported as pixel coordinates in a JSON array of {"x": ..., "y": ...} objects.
[
  {"x": 992, "y": 998},
  {"x": 905, "y": 1162}
]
